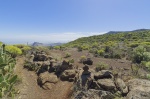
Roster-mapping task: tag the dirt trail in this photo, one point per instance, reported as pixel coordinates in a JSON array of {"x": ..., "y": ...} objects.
[{"x": 30, "y": 90}]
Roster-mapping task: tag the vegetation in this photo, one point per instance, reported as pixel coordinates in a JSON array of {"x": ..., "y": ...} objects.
[
  {"x": 13, "y": 50},
  {"x": 133, "y": 45},
  {"x": 82, "y": 58},
  {"x": 7, "y": 77},
  {"x": 101, "y": 66},
  {"x": 24, "y": 48},
  {"x": 67, "y": 55}
]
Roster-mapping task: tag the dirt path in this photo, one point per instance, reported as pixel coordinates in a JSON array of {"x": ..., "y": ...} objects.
[{"x": 30, "y": 90}]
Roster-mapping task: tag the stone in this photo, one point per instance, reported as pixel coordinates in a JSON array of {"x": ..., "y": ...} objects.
[
  {"x": 88, "y": 61},
  {"x": 121, "y": 86},
  {"x": 103, "y": 74},
  {"x": 47, "y": 77},
  {"x": 67, "y": 74},
  {"x": 47, "y": 86},
  {"x": 107, "y": 84}
]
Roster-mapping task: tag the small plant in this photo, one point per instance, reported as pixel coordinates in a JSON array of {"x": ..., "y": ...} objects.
[
  {"x": 148, "y": 76},
  {"x": 71, "y": 61},
  {"x": 67, "y": 55},
  {"x": 101, "y": 66},
  {"x": 135, "y": 68},
  {"x": 82, "y": 58},
  {"x": 57, "y": 47},
  {"x": 100, "y": 52}
]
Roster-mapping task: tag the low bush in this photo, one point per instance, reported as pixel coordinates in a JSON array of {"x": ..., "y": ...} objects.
[
  {"x": 71, "y": 61},
  {"x": 101, "y": 66},
  {"x": 82, "y": 58},
  {"x": 57, "y": 47},
  {"x": 148, "y": 76},
  {"x": 14, "y": 51},
  {"x": 67, "y": 55},
  {"x": 101, "y": 52}
]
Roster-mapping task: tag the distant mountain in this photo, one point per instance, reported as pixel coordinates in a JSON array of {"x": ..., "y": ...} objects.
[
  {"x": 37, "y": 44},
  {"x": 55, "y": 44},
  {"x": 42, "y": 44},
  {"x": 138, "y": 30}
]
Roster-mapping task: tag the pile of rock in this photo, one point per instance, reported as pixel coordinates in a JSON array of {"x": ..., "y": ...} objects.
[
  {"x": 106, "y": 85},
  {"x": 49, "y": 71},
  {"x": 64, "y": 71}
]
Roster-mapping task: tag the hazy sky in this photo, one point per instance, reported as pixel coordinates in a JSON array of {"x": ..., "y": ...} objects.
[{"x": 24, "y": 21}]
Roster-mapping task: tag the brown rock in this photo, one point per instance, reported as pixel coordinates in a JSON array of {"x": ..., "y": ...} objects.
[
  {"x": 47, "y": 77},
  {"x": 107, "y": 84}
]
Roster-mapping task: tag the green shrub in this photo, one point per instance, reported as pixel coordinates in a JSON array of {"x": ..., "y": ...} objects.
[
  {"x": 57, "y": 47},
  {"x": 147, "y": 65},
  {"x": 133, "y": 45},
  {"x": 71, "y": 61},
  {"x": 93, "y": 50},
  {"x": 138, "y": 54},
  {"x": 101, "y": 66},
  {"x": 82, "y": 58},
  {"x": 14, "y": 51},
  {"x": 25, "y": 49},
  {"x": 148, "y": 76},
  {"x": 67, "y": 55},
  {"x": 100, "y": 52},
  {"x": 95, "y": 45},
  {"x": 146, "y": 56}
]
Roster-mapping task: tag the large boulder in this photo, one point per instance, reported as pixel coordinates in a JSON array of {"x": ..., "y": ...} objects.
[
  {"x": 138, "y": 89},
  {"x": 88, "y": 61},
  {"x": 137, "y": 94},
  {"x": 47, "y": 77},
  {"x": 103, "y": 74},
  {"x": 68, "y": 75},
  {"x": 107, "y": 84},
  {"x": 121, "y": 86},
  {"x": 94, "y": 94}
]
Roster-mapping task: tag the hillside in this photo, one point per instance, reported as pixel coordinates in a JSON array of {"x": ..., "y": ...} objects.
[
  {"x": 140, "y": 35},
  {"x": 129, "y": 45}
]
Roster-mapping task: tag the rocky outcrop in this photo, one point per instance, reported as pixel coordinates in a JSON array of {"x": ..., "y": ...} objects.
[
  {"x": 139, "y": 84},
  {"x": 138, "y": 89},
  {"x": 137, "y": 94}
]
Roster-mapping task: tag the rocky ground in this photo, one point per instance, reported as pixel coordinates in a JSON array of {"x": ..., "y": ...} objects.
[{"x": 60, "y": 80}]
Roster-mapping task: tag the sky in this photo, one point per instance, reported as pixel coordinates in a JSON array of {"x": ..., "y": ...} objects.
[{"x": 49, "y": 21}]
